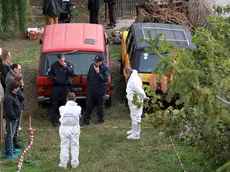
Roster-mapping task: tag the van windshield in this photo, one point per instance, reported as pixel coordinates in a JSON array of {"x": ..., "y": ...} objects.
[
  {"x": 148, "y": 61},
  {"x": 80, "y": 60}
]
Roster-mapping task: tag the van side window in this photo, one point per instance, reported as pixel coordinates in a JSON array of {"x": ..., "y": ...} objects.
[
  {"x": 130, "y": 48},
  {"x": 132, "y": 57},
  {"x": 129, "y": 40},
  {"x": 128, "y": 37}
]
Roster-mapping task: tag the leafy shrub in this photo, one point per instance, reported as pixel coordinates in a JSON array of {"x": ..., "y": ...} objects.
[{"x": 202, "y": 79}]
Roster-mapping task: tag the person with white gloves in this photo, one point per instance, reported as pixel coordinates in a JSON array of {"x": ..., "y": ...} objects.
[
  {"x": 69, "y": 131},
  {"x": 134, "y": 85}
]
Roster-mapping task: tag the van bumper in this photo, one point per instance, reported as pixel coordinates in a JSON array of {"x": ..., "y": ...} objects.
[{"x": 43, "y": 99}]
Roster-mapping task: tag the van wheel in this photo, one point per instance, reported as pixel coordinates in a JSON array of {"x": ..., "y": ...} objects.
[
  {"x": 110, "y": 40},
  {"x": 41, "y": 105},
  {"x": 108, "y": 102}
]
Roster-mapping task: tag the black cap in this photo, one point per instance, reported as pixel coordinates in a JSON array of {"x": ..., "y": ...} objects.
[
  {"x": 59, "y": 56},
  {"x": 99, "y": 59}
]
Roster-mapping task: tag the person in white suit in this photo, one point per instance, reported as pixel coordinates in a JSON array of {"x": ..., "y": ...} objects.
[
  {"x": 134, "y": 85},
  {"x": 69, "y": 131}
]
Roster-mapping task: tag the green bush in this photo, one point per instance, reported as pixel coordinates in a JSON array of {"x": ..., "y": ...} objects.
[{"x": 202, "y": 80}]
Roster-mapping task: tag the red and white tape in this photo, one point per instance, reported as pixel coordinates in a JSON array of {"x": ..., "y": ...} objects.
[
  {"x": 31, "y": 131},
  {"x": 177, "y": 154}
]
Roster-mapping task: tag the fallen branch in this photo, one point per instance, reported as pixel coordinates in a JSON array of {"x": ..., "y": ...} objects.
[{"x": 223, "y": 100}]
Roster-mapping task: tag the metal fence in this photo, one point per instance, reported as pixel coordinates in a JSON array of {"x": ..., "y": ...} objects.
[{"x": 126, "y": 8}]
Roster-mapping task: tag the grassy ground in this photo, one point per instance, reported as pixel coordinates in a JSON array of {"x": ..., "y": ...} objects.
[{"x": 103, "y": 148}]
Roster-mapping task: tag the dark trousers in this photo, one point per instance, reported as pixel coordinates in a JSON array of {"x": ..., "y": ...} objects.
[
  {"x": 94, "y": 16},
  {"x": 59, "y": 94},
  {"x": 112, "y": 16},
  {"x": 17, "y": 129},
  {"x": 90, "y": 102}
]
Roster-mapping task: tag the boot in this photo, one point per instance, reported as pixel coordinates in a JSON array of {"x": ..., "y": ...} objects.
[
  {"x": 17, "y": 145},
  {"x": 110, "y": 26},
  {"x": 136, "y": 129},
  {"x": 129, "y": 132},
  {"x": 17, "y": 139}
]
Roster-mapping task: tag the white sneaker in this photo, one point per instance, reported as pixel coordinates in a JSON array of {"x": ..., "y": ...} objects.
[
  {"x": 19, "y": 128},
  {"x": 133, "y": 137},
  {"x": 62, "y": 166},
  {"x": 75, "y": 166},
  {"x": 129, "y": 132}
]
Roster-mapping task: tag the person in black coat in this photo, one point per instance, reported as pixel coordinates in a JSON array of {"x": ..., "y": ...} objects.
[
  {"x": 52, "y": 10},
  {"x": 12, "y": 108},
  {"x": 60, "y": 72},
  {"x": 93, "y": 7},
  {"x": 97, "y": 83},
  {"x": 112, "y": 15},
  {"x": 20, "y": 95},
  {"x": 3, "y": 73}
]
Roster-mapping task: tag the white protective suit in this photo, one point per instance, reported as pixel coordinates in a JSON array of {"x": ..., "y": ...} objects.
[
  {"x": 69, "y": 132},
  {"x": 135, "y": 85}
]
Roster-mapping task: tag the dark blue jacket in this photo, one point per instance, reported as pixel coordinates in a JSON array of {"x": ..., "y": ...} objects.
[
  {"x": 21, "y": 98},
  {"x": 12, "y": 106},
  {"x": 98, "y": 83},
  {"x": 61, "y": 75}
]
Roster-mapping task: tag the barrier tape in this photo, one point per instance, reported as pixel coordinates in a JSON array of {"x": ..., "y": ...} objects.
[
  {"x": 177, "y": 154},
  {"x": 31, "y": 131}
]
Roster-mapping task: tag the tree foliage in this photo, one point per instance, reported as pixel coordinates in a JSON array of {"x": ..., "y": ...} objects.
[
  {"x": 202, "y": 79},
  {"x": 14, "y": 15}
]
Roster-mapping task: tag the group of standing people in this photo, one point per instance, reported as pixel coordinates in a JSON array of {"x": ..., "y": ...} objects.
[
  {"x": 69, "y": 113},
  {"x": 94, "y": 7},
  {"x": 52, "y": 9},
  {"x": 65, "y": 111},
  {"x": 13, "y": 102},
  {"x": 61, "y": 72}
]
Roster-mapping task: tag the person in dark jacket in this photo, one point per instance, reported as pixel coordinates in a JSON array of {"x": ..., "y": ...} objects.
[
  {"x": 12, "y": 110},
  {"x": 13, "y": 71},
  {"x": 6, "y": 56},
  {"x": 60, "y": 73},
  {"x": 112, "y": 13},
  {"x": 93, "y": 7},
  {"x": 20, "y": 95},
  {"x": 51, "y": 10},
  {"x": 97, "y": 83},
  {"x": 3, "y": 73}
]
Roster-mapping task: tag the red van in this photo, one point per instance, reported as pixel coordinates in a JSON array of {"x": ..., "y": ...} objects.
[{"x": 80, "y": 42}]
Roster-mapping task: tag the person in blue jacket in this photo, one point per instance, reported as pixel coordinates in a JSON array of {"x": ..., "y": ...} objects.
[{"x": 60, "y": 73}]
